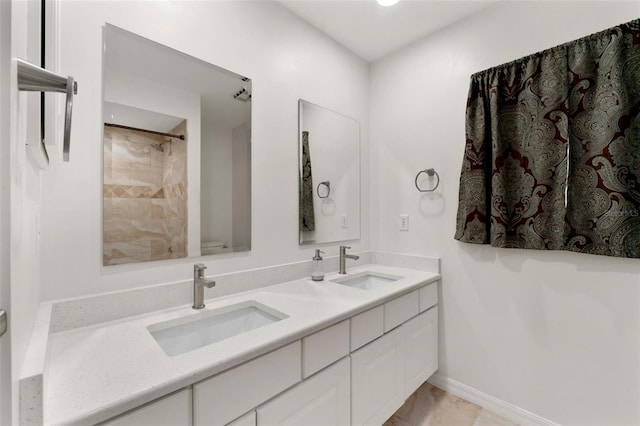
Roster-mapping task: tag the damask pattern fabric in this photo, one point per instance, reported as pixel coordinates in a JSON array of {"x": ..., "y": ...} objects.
[
  {"x": 307, "y": 221},
  {"x": 552, "y": 155}
]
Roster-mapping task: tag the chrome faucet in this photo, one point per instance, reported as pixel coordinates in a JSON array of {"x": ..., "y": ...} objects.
[
  {"x": 199, "y": 283},
  {"x": 344, "y": 256}
]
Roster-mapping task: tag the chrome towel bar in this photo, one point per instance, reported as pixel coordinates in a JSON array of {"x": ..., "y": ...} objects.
[{"x": 32, "y": 78}]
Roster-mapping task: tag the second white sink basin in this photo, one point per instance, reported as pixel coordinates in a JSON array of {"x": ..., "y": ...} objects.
[
  {"x": 195, "y": 331},
  {"x": 366, "y": 280}
]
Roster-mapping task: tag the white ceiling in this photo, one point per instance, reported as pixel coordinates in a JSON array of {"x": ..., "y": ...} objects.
[
  {"x": 126, "y": 115},
  {"x": 372, "y": 31},
  {"x": 134, "y": 56}
]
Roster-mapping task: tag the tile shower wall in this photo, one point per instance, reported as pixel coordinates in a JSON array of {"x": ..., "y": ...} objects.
[
  {"x": 145, "y": 199},
  {"x": 175, "y": 192}
]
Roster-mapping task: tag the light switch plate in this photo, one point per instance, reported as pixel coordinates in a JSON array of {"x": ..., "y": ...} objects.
[{"x": 404, "y": 222}]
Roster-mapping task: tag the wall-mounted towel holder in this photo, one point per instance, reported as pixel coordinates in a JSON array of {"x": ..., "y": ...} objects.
[
  {"x": 328, "y": 185},
  {"x": 429, "y": 172},
  {"x": 32, "y": 78}
]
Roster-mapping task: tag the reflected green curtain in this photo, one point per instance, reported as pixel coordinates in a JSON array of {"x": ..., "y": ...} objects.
[
  {"x": 552, "y": 154},
  {"x": 307, "y": 220}
]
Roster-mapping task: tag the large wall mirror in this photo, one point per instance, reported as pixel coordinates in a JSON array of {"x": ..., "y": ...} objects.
[
  {"x": 177, "y": 153},
  {"x": 329, "y": 175}
]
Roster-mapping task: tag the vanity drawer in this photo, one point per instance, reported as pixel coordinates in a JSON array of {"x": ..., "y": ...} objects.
[
  {"x": 366, "y": 327},
  {"x": 401, "y": 309},
  {"x": 428, "y": 296},
  {"x": 224, "y": 397},
  {"x": 172, "y": 410},
  {"x": 324, "y": 348}
]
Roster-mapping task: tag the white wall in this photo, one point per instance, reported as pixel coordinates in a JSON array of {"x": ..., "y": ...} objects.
[
  {"x": 226, "y": 189},
  {"x": 286, "y": 60},
  {"x": 23, "y": 181},
  {"x": 241, "y": 151},
  {"x": 555, "y": 333},
  {"x": 6, "y": 383},
  {"x": 216, "y": 188}
]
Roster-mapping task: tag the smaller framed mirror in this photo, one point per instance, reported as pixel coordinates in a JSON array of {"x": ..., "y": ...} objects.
[{"x": 329, "y": 175}]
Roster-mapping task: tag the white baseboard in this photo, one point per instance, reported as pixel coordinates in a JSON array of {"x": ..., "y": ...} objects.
[{"x": 491, "y": 403}]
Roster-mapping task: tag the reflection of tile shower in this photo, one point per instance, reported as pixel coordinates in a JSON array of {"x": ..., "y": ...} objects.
[
  {"x": 145, "y": 195},
  {"x": 159, "y": 146}
]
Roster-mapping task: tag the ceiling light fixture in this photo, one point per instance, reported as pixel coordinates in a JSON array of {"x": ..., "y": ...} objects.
[{"x": 387, "y": 2}]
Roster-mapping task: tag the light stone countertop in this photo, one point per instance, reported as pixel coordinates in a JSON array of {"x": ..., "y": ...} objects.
[{"x": 97, "y": 372}]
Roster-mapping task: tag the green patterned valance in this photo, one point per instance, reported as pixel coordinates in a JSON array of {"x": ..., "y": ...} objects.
[{"x": 552, "y": 156}]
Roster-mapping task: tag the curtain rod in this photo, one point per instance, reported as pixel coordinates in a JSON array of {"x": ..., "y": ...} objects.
[
  {"x": 559, "y": 46},
  {"x": 120, "y": 126}
]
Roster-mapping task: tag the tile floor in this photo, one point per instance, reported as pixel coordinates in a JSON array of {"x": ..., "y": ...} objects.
[{"x": 431, "y": 406}]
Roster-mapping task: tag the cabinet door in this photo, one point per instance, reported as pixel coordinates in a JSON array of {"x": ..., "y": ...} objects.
[
  {"x": 173, "y": 410},
  {"x": 377, "y": 375},
  {"x": 320, "y": 400},
  {"x": 420, "y": 348},
  {"x": 222, "y": 398}
]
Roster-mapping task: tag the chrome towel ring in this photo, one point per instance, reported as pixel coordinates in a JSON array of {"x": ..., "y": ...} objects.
[
  {"x": 324, "y": 183},
  {"x": 429, "y": 172}
]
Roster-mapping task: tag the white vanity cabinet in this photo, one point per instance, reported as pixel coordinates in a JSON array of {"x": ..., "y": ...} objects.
[
  {"x": 401, "y": 309},
  {"x": 321, "y": 400},
  {"x": 358, "y": 371},
  {"x": 228, "y": 395},
  {"x": 376, "y": 380},
  {"x": 248, "y": 419},
  {"x": 388, "y": 370},
  {"x": 366, "y": 327},
  {"x": 172, "y": 410},
  {"x": 420, "y": 349},
  {"x": 393, "y": 350},
  {"x": 324, "y": 347}
]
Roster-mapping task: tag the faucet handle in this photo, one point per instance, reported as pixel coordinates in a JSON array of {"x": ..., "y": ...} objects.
[
  {"x": 343, "y": 248},
  {"x": 199, "y": 267}
]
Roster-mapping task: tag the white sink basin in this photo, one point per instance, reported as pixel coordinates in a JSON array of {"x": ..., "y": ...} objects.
[
  {"x": 366, "y": 280},
  {"x": 185, "y": 334}
]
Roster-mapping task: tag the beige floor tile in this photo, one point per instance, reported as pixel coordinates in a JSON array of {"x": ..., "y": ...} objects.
[
  {"x": 417, "y": 408},
  {"x": 452, "y": 410},
  {"x": 431, "y": 406}
]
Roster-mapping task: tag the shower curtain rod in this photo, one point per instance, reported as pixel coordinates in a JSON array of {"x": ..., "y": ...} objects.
[{"x": 120, "y": 126}]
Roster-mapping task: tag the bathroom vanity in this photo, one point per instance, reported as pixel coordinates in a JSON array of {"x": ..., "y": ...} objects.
[{"x": 344, "y": 351}]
